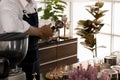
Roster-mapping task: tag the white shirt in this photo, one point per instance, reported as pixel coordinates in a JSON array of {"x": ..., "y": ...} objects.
[{"x": 11, "y": 14}]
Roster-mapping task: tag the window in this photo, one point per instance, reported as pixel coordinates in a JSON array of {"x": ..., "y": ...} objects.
[{"x": 109, "y": 35}]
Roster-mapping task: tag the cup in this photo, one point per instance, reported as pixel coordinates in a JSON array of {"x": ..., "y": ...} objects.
[
  {"x": 112, "y": 60},
  {"x": 112, "y": 73},
  {"x": 117, "y": 68}
]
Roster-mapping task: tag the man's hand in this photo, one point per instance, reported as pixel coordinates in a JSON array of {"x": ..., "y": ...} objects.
[{"x": 46, "y": 31}]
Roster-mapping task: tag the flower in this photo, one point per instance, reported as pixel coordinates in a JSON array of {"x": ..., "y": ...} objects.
[{"x": 90, "y": 73}]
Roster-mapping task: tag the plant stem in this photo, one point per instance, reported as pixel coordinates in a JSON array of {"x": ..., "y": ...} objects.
[{"x": 95, "y": 47}]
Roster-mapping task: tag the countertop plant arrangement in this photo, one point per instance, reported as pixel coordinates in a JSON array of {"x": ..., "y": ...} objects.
[
  {"x": 90, "y": 73},
  {"x": 88, "y": 29}
]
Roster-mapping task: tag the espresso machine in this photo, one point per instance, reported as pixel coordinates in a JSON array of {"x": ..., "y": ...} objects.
[{"x": 13, "y": 49}]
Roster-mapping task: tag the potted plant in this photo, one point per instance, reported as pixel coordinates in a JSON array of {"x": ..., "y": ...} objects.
[
  {"x": 54, "y": 9},
  {"x": 88, "y": 29},
  {"x": 53, "y": 12}
]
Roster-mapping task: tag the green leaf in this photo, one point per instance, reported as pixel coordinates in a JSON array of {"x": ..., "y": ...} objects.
[
  {"x": 61, "y": 1},
  {"x": 39, "y": 9},
  {"x": 81, "y": 22},
  {"x": 54, "y": 9},
  {"x": 99, "y": 4}
]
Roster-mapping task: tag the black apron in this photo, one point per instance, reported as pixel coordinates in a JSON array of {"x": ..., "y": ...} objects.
[{"x": 30, "y": 64}]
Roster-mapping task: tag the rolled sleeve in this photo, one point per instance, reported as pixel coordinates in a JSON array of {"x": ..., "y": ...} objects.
[{"x": 26, "y": 26}]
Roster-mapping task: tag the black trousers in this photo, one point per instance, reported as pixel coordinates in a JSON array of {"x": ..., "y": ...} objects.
[
  {"x": 30, "y": 65},
  {"x": 28, "y": 69}
]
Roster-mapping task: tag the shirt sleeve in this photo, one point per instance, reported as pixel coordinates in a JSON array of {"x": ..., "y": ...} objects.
[{"x": 12, "y": 22}]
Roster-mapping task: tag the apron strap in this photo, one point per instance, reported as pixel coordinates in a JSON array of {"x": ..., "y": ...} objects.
[{"x": 24, "y": 11}]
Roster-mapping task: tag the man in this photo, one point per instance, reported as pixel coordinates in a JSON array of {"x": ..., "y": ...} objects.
[{"x": 21, "y": 16}]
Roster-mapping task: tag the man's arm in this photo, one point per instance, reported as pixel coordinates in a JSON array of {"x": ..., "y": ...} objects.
[{"x": 43, "y": 32}]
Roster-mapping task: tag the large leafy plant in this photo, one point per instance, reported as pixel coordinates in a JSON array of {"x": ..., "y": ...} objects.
[
  {"x": 54, "y": 9},
  {"x": 88, "y": 29}
]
